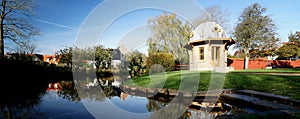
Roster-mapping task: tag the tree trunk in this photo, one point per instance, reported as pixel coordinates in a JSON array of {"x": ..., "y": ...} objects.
[
  {"x": 2, "y": 15},
  {"x": 246, "y": 62},
  {"x": 1, "y": 40}
]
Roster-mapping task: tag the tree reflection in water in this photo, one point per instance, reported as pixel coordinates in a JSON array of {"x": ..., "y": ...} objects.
[
  {"x": 68, "y": 91},
  {"x": 20, "y": 102},
  {"x": 23, "y": 103},
  {"x": 156, "y": 107}
]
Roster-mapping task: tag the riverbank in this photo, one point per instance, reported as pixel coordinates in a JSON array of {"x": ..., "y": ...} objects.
[{"x": 248, "y": 103}]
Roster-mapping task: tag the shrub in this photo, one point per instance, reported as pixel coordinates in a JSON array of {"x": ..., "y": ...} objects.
[
  {"x": 164, "y": 60},
  {"x": 136, "y": 64}
]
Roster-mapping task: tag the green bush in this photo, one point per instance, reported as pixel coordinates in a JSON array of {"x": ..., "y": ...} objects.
[
  {"x": 136, "y": 64},
  {"x": 164, "y": 60}
]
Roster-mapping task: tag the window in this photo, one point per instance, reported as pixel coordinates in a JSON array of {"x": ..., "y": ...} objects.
[{"x": 201, "y": 53}]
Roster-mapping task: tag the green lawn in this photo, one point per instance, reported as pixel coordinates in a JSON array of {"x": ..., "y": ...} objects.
[{"x": 277, "y": 84}]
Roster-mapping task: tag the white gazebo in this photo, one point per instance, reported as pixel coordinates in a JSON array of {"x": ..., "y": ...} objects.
[{"x": 208, "y": 47}]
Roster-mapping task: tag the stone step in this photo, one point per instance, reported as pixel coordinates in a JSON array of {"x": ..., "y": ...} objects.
[
  {"x": 270, "y": 97},
  {"x": 258, "y": 104}
]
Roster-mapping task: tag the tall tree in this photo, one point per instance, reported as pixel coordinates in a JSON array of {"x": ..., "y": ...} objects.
[
  {"x": 254, "y": 30},
  {"x": 169, "y": 34},
  {"x": 15, "y": 21},
  {"x": 214, "y": 14}
]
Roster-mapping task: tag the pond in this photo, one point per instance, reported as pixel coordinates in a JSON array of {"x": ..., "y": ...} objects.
[{"x": 61, "y": 100}]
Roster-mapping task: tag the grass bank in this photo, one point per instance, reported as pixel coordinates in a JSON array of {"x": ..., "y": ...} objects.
[{"x": 276, "y": 84}]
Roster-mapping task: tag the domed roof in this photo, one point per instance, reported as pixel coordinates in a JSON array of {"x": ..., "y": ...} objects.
[{"x": 207, "y": 30}]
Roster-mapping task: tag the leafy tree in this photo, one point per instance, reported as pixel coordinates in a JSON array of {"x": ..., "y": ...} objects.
[
  {"x": 15, "y": 21},
  {"x": 295, "y": 38},
  {"x": 268, "y": 49},
  {"x": 136, "y": 64},
  {"x": 254, "y": 30},
  {"x": 103, "y": 57},
  {"x": 169, "y": 34},
  {"x": 65, "y": 56},
  {"x": 84, "y": 53},
  {"x": 291, "y": 48},
  {"x": 288, "y": 50}
]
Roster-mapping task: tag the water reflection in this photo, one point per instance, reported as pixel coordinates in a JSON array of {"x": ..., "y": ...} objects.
[
  {"x": 138, "y": 103},
  {"x": 19, "y": 98},
  {"x": 60, "y": 99},
  {"x": 20, "y": 108},
  {"x": 41, "y": 99}
]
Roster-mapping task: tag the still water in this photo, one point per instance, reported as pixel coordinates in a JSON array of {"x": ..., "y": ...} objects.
[{"x": 60, "y": 100}]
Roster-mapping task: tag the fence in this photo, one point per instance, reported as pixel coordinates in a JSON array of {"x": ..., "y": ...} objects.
[
  {"x": 238, "y": 63},
  {"x": 182, "y": 67}
]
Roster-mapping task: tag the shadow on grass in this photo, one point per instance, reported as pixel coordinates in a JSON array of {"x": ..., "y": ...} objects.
[{"x": 280, "y": 85}]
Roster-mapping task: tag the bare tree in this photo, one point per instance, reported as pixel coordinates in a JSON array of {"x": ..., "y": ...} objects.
[
  {"x": 28, "y": 46},
  {"x": 214, "y": 14},
  {"x": 15, "y": 23}
]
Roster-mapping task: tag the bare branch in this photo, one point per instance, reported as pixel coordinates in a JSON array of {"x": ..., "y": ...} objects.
[{"x": 16, "y": 21}]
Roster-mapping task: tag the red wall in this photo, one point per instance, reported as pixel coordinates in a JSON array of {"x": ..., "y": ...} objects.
[{"x": 238, "y": 63}]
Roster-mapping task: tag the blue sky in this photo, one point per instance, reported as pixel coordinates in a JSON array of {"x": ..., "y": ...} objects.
[{"x": 61, "y": 20}]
